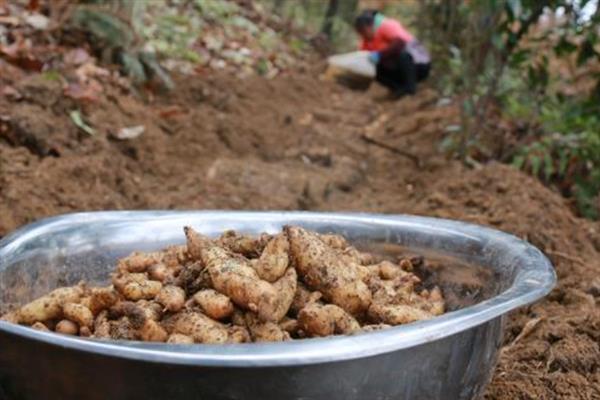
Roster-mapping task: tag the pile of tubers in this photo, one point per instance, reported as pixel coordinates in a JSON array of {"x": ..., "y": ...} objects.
[{"x": 237, "y": 289}]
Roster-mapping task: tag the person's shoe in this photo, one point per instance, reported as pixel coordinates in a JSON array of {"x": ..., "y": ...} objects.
[{"x": 398, "y": 94}]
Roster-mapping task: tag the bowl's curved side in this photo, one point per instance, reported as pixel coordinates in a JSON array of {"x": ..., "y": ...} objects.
[
  {"x": 527, "y": 272},
  {"x": 454, "y": 367}
]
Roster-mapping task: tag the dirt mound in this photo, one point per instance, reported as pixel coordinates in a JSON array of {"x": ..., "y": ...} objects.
[
  {"x": 560, "y": 356},
  {"x": 299, "y": 143}
]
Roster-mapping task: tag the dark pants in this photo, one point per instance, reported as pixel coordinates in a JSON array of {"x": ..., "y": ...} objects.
[{"x": 401, "y": 74}]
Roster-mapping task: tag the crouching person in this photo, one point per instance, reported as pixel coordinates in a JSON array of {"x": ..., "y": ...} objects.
[{"x": 401, "y": 60}]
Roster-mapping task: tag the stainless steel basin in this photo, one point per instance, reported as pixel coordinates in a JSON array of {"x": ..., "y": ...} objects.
[{"x": 448, "y": 357}]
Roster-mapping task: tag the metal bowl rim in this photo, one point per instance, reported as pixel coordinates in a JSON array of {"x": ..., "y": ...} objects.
[{"x": 528, "y": 287}]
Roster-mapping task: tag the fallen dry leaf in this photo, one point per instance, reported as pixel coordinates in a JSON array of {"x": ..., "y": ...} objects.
[
  {"x": 76, "y": 56},
  {"x": 89, "y": 91},
  {"x": 131, "y": 132},
  {"x": 11, "y": 92},
  {"x": 37, "y": 21},
  {"x": 19, "y": 53},
  {"x": 90, "y": 70},
  {"x": 170, "y": 112},
  {"x": 9, "y": 20}
]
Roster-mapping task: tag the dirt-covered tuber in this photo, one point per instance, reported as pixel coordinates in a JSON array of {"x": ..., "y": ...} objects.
[{"x": 238, "y": 288}]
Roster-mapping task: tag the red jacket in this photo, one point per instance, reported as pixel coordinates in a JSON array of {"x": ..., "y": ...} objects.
[
  {"x": 389, "y": 32},
  {"x": 390, "y": 39}
]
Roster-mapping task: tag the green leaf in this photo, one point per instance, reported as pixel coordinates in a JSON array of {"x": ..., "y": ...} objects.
[
  {"x": 564, "y": 47},
  {"x": 518, "y": 162},
  {"x": 216, "y": 9},
  {"x": 536, "y": 163},
  {"x": 448, "y": 144},
  {"x": 519, "y": 57},
  {"x": 548, "y": 166},
  {"x": 262, "y": 66},
  {"x": 152, "y": 65},
  {"x": 586, "y": 52},
  {"x": 585, "y": 196},
  {"x": 468, "y": 107},
  {"x": 538, "y": 75},
  {"x": 497, "y": 41},
  {"x": 514, "y": 9},
  {"x": 104, "y": 26},
  {"x": 80, "y": 123},
  {"x": 52, "y": 75},
  {"x": 133, "y": 67},
  {"x": 563, "y": 163}
]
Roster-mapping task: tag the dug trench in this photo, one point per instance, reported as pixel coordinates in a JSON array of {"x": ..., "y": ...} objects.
[{"x": 296, "y": 142}]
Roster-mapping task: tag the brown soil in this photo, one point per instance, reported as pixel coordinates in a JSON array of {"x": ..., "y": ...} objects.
[{"x": 295, "y": 143}]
